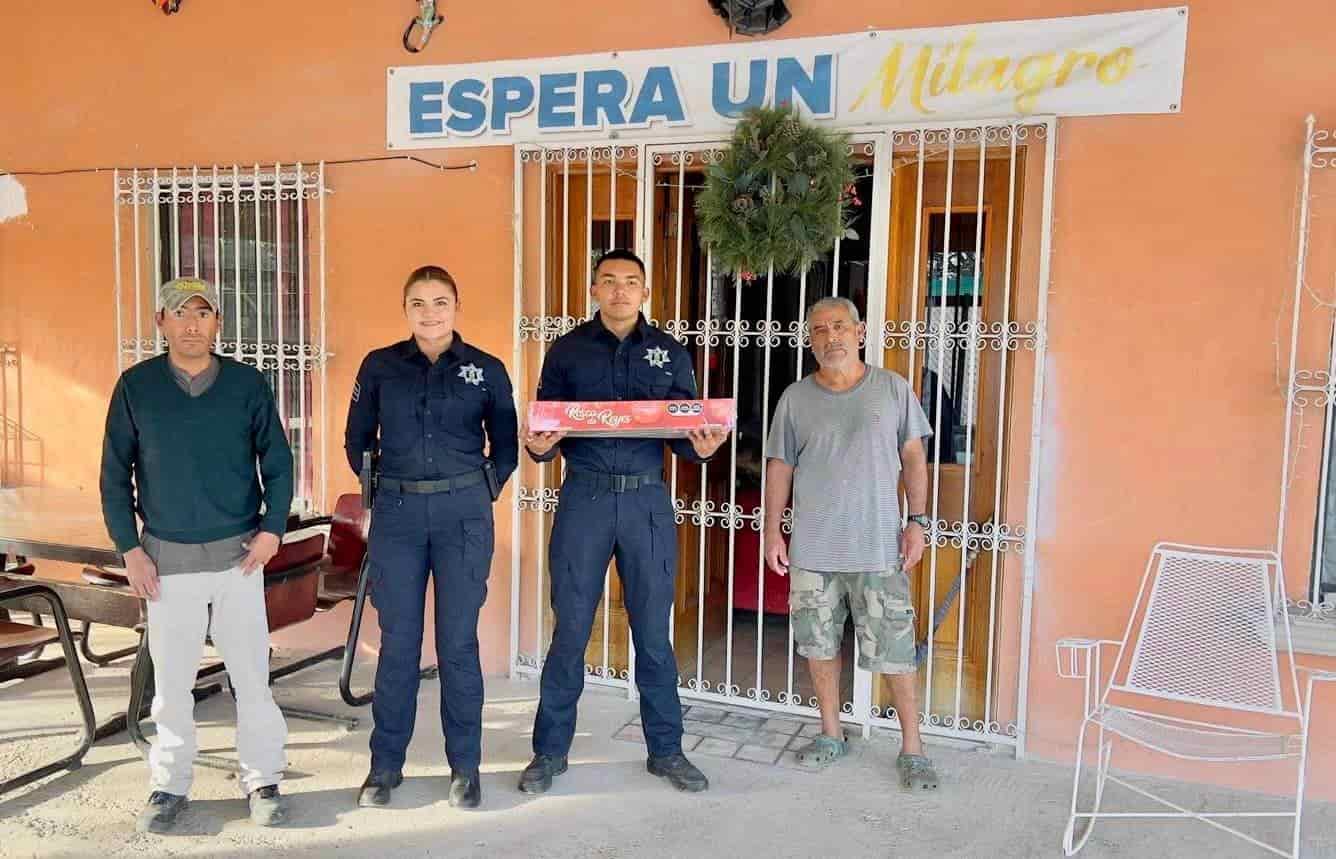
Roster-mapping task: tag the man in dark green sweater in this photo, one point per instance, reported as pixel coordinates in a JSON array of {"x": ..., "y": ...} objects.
[{"x": 195, "y": 447}]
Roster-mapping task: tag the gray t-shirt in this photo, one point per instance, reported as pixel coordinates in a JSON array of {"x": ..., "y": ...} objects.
[
  {"x": 844, "y": 447},
  {"x": 212, "y": 557}
]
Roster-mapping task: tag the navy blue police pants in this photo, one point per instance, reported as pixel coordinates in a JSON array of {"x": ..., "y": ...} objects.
[
  {"x": 445, "y": 537},
  {"x": 595, "y": 524}
]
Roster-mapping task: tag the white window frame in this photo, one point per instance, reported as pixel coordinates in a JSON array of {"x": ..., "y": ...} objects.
[{"x": 153, "y": 203}]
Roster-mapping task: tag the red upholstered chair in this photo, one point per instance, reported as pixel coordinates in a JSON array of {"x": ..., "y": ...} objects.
[
  {"x": 291, "y": 589},
  {"x": 344, "y": 553},
  {"x": 292, "y": 581},
  {"x": 343, "y": 577},
  {"x": 291, "y": 596}
]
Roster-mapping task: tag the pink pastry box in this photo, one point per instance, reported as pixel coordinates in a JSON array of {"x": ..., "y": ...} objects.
[{"x": 633, "y": 418}]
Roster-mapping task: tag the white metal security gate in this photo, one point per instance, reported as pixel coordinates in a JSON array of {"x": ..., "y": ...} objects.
[
  {"x": 258, "y": 234},
  {"x": 1310, "y": 390},
  {"x": 949, "y": 267}
]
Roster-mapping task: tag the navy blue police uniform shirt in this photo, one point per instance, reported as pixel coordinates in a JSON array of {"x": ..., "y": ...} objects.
[
  {"x": 433, "y": 419},
  {"x": 590, "y": 363}
]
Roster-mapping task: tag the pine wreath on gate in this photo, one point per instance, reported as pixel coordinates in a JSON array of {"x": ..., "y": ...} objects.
[{"x": 780, "y": 194}]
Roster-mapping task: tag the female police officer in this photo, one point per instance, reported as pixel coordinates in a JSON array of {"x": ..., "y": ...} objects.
[{"x": 426, "y": 403}]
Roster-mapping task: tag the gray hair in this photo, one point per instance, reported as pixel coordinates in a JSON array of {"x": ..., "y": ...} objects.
[{"x": 834, "y": 301}]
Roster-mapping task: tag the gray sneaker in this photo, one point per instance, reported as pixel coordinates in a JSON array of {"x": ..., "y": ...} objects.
[
  {"x": 267, "y": 807},
  {"x": 160, "y": 813}
]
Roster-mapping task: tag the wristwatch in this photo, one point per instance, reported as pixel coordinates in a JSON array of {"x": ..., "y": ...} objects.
[{"x": 920, "y": 520}]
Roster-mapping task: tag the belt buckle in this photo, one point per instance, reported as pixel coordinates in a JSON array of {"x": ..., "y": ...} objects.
[{"x": 618, "y": 483}]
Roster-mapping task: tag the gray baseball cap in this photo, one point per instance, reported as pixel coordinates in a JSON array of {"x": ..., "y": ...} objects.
[{"x": 173, "y": 294}]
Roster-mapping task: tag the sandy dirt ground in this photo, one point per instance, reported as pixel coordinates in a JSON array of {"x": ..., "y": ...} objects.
[{"x": 606, "y": 806}]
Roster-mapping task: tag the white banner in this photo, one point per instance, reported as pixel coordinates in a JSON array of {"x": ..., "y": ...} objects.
[{"x": 1129, "y": 62}]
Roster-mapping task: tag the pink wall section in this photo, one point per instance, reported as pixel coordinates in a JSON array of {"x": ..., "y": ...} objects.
[{"x": 1172, "y": 251}]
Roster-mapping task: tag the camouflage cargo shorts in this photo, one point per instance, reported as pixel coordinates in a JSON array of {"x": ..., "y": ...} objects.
[{"x": 883, "y": 614}]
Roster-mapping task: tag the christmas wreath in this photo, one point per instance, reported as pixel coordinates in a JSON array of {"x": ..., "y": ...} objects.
[{"x": 780, "y": 193}]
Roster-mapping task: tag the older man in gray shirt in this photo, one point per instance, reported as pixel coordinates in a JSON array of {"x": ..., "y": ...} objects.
[{"x": 843, "y": 440}]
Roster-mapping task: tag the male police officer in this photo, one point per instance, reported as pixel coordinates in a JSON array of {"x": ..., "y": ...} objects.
[{"x": 614, "y": 503}]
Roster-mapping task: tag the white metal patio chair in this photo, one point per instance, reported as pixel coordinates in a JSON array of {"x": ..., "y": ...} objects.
[{"x": 1209, "y": 628}]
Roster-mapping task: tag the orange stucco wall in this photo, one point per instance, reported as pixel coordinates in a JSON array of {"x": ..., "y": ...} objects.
[{"x": 1172, "y": 246}]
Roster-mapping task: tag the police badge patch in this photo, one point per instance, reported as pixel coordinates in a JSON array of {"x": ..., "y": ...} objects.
[
  {"x": 471, "y": 373},
  {"x": 657, "y": 356}
]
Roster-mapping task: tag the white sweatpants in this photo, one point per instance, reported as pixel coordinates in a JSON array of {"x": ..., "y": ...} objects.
[{"x": 177, "y": 624}]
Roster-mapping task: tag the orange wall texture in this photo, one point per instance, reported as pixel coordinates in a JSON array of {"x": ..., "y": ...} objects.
[{"x": 1173, "y": 247}]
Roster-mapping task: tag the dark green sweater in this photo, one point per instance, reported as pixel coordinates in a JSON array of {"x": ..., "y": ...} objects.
[{"x": 187, "y": 465}]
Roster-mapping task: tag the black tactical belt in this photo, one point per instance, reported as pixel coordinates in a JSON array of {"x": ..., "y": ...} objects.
[
  {"x": 428, "y": 487},
  {"x": 616, "y": 482}
]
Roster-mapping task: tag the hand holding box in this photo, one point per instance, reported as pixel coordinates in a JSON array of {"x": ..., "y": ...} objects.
[{"x": 632, "y": 418}]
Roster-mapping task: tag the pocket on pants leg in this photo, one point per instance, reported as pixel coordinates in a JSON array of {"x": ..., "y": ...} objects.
[
  {"x": 663, "y": 534},
  {"x": 477, "y": 547},
  {"x": 816, "y": 611},
  {"x": 887, "y": 642}
]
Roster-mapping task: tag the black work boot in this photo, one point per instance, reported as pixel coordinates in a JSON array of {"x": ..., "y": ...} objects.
[
  {"x": 376, "y": 789},
  {"x": 465, "y": 789},
  {"x": 680, "y": 772},
  {"x": 160, "y": 813},
  {"x": 537, "y": 776}
]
